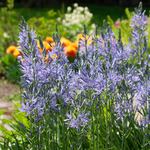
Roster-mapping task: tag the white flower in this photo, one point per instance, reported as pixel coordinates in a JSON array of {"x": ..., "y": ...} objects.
[
  {"x": 5, "y": 35},
  {"x": 69, "y": 9},
  {"x": 76, "y": 17},
  {"x": 93, "y": 26},
  {"x": 75, "y": 4},
  {"x": 80, "y": 9},
  {"x": 59, "y": 19},
  {"x": 86, "y": 9}
]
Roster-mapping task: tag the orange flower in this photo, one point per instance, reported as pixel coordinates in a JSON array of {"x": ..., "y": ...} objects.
[
  {"x": 80, "y": 36},
  {"x": 70, "y": 51},
  {"x": 83, "y": 38},
  {"x": 65, "y": 42},
  {"x": 49, "y": 39},
  {"x": 46, "y": 45},
  {"x": 11, "y": 49},
  {"x": 16, "y": 53},
  {"x": 75, "y": 45}
]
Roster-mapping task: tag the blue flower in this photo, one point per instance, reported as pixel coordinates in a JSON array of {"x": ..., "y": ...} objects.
[{"x": 77, "y": 122}]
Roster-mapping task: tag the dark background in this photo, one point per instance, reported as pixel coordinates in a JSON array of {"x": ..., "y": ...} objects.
[{"x": 50, "y": 3}]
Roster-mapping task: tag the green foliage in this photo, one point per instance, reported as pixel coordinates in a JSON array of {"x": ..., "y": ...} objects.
[
  {"x": 10, "y": 4},
  {"x": 128, "y": 13},
  {"x": 8, "y": 36},
  {"x": 11, "y": 69},
  {"x": 124, "y": 27},
  {"x": 8, "y": 28},
  {"x": 103, "y": 133},
  {"x": 121, "y": 26},
  {"x": 16, "y": 137},
  {"x": 45, "y": 26}
]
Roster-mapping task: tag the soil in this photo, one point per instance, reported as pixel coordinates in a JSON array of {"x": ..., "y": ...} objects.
[
  {"x": 7, "y": 95},
  {"x": 7, "y": 91}
]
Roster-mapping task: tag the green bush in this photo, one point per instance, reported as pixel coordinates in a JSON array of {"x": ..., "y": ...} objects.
[{"x": 8, "y": 35}]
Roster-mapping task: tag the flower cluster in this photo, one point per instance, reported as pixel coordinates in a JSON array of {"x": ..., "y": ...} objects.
[
  {"x": 70, "y": 48},
  {"x": 106, "y": 75},
  {"x": 75, "y": 18}
]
